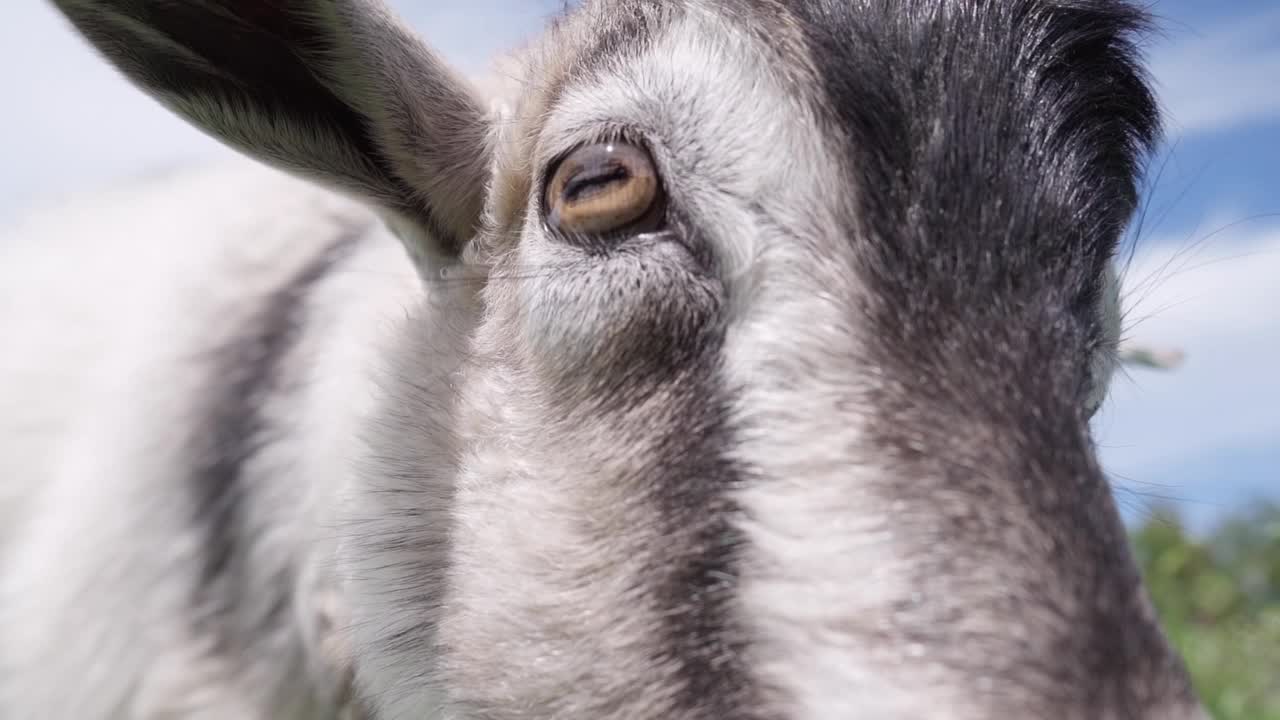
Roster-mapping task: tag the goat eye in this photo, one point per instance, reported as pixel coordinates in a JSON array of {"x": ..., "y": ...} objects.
[{"x": 604, "y": 188}]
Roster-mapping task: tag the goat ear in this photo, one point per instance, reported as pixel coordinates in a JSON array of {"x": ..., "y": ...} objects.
[{"x": 338, "y": 91}]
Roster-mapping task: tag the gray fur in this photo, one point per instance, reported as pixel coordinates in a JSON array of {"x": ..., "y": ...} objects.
[{"x": 738, "y": 468}]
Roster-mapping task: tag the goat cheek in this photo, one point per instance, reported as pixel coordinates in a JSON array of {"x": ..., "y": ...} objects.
[{"x": 644, "y": 314}]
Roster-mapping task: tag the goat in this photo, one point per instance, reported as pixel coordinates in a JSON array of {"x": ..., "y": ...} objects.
[{"x": 738, "y": 365}]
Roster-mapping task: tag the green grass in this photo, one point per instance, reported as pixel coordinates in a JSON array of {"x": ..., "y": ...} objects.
[{"x": 1219, "y": 599}]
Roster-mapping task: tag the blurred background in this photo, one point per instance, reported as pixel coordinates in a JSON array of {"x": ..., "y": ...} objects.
[{"x": 1194, "y": 451}]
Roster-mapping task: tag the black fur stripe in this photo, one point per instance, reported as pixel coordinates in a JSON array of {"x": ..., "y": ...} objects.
[
  {"x": 994, "y": 149},
  {"x": 246, "y": 372},
  {"x": 703, "y": 636}
]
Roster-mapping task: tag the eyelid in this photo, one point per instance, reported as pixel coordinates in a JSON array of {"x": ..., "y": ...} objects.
[
  {"x": 618, "y": 187},
  {"x": 559, "y": 141}
]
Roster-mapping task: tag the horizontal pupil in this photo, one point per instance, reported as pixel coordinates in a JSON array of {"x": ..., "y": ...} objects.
[{"x": 594, "y": 180}]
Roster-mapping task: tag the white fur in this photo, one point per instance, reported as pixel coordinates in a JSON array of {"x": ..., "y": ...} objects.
[{"x": 97, "y": 373}]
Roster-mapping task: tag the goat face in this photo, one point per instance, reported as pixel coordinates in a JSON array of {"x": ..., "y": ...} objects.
[
  {"x": 758, "y": 381},
  {"x": 795, "y": 317}
]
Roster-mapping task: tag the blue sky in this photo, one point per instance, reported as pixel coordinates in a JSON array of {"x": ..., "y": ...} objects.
[{"x": 1205, "y": 276}]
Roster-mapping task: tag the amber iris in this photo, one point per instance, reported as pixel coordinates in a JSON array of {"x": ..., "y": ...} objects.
[{"x": 603, "y": 188}]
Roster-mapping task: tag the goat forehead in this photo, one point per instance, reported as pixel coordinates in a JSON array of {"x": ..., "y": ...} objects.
[
  {"x": 935, "y": 157},
  {"x": 902, "y": 84},
  {"x": 987, "y": 154},
  {"x": 935, "y": 151}
]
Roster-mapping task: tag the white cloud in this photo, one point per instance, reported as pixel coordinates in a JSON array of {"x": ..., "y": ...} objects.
[
  {"x": 71, "y": 122},
  {"x": 1218, "y": 303},
  {"x": 1223, "y": 77}
]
